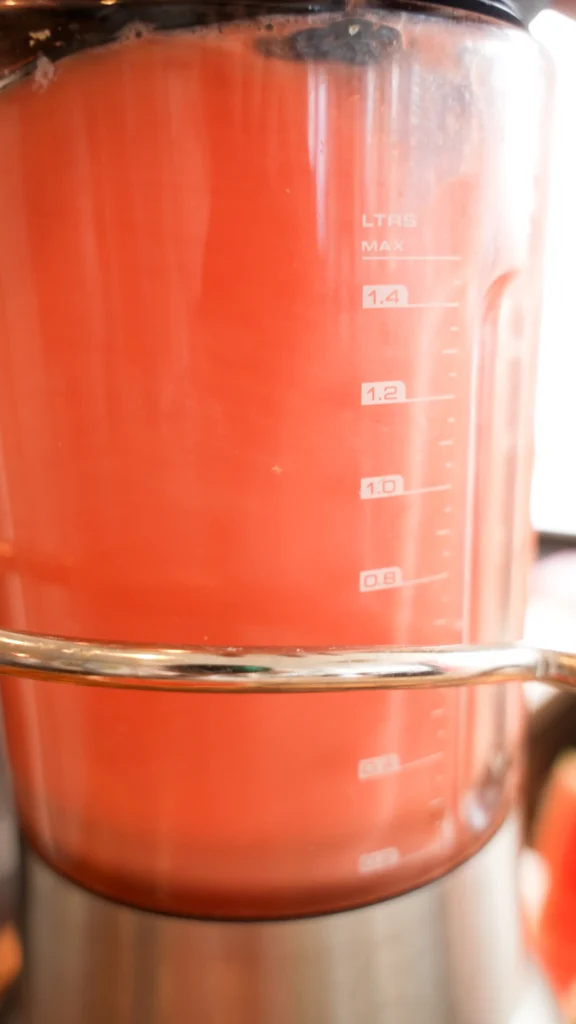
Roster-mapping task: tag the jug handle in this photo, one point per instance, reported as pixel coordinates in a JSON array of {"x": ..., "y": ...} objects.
[{"x": 274, "y": 670}]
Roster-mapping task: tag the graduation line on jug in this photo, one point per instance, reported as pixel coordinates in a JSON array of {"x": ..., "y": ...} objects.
[
  {"x": 392, "y": 486},
  {"x": 390, "y": 578},
  {"x": 393, "y": 392},
  {"x": 395, "y": 296},
  {"x": 413, "y": 258}
]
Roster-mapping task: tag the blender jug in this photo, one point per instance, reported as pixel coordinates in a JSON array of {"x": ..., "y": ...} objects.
[{"x": 269, "y": 298}]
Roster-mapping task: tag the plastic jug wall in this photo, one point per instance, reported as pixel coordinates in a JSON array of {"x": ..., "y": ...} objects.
[{"x": 268, "y": 309}]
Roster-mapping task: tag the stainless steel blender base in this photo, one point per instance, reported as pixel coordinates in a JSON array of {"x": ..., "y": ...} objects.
[{"x": 449, "y": 953}]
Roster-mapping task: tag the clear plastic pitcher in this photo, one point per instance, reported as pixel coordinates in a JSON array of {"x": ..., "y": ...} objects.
[{"x": 269, "y": 298}]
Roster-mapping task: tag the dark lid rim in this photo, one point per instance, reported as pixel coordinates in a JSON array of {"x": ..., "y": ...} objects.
[
  {"x": 505, "y": 10},
  {"x": 502, "y": 10}
]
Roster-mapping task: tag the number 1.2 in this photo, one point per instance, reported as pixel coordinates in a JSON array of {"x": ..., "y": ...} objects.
[{"x": 383, "y": 392}]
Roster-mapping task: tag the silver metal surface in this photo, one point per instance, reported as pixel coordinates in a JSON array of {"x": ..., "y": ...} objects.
[
  {"x": 242, "y": 670},
  {"x": 449, "y": 953}
]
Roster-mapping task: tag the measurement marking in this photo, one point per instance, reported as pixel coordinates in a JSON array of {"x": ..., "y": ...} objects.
[
  {"x": 453, "y": 259},
  {"x": 430, "y": 490},
  {"x": 443, "y": 533},
  {"x": 449, "y": 351},
  {"x": 387, "y": 764},
  {"x": 384, "y": 296},
  {"x": 431, "y": 398},
  {"x": 378, "y": 860},
  {"x": 374, "y": 487},
  {"x": 390, "y": 578},
  {"x": 419, "y": 761},
  {"x": 437, "y": 846},
  {"x": 393, "y": 392},
  {"x": 426, "y": 579},
  {"x": 376, "y": 767},
  {"x": 380, "y": 579},
  {"x": 432, "y": 305},
  {"x": 444, "y": 444},
  {"x": 395, "y": 296}
]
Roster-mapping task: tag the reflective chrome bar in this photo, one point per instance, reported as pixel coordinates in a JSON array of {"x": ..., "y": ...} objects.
[{"x": 244, "y": 670}]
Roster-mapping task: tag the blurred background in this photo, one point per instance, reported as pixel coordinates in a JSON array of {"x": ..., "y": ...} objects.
[{"x": 549, "y": 866}]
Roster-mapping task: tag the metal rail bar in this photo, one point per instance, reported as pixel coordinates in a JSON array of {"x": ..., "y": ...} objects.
[{"x": 271, "y": 670}]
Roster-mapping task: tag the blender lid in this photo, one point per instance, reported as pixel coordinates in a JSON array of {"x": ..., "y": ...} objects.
[
  {"x": 506, "y": 10},
  {"x": 516, "y": 11},
  {"x": 59, "y": 28}
]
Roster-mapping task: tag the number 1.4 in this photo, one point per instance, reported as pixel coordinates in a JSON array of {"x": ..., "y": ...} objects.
[{"x": 381, "y": 296}]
